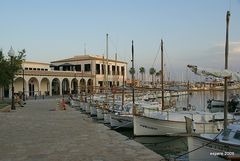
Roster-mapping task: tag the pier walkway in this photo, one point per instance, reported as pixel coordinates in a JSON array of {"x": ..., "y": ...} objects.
[{"x": 35, "y": 133}]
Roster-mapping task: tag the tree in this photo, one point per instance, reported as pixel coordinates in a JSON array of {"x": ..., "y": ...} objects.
[
  {"x": 4, "y": 66},
  {"x": 132, "y": 71},
  {"x": 142, "y": 71},
  {"x": 9, "y": 70},
  {"x": 158, "y": 74},
  {"x": 152, "y": 71}
]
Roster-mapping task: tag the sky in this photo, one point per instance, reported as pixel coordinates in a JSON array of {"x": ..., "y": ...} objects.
[{"x": 193, "y": 31}]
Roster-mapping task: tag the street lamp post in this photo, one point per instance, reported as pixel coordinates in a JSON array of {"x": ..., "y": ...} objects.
[
  {"x": 23, "y": 94},
  {"x": 11, "y": 53},
  {"x": 74, "y": 83}
]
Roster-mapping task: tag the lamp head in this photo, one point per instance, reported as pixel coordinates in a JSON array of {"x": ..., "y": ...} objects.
[{"x": 11, "y": 52}]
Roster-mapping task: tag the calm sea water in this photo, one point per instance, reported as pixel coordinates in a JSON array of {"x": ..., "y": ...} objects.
[
  {"x": 168, "y": 147},
  {"x": 199, "y": 99},
  {"x": 172, "y": 147}
]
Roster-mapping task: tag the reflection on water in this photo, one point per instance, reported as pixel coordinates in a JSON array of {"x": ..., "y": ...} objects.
[
  {"x": 199, "y": 99},
  {"x": 168, "y": 147}
]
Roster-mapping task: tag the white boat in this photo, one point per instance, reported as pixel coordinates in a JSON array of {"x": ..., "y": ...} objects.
[
  {"x": 179, "y": 93},
  {"x": 225, "y": 145},
  {"x": 216, "y": 147},
  {"x": 149, "y": 96},
  {"x": 87, "y": 108},
  {"x": 93, "y": 110},
  {"x": 83, "y": 106},
  {"x": 124, "y": 119},
  {"x": 215, "y": 105},
  {"x": 106, "y": 115},
  {"x": 218, "y": 105},
  {"x": 74, "y": 103},
  {"x": 166, "y": 94},
  {"x": 121, "y": 120},
  {"x": 174, "y": 123},
  {"x": 100, "y": 115}
]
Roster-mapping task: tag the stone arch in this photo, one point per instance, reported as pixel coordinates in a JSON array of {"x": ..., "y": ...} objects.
[
  {"x": 45, "y": 86},
  {"x": 74, "y": 86},
  {"x": 90, "y": 86},
  {"x": 65, "y": 86},
  {"x": 82, "y": 85},
  {"x": 33, "y": 86},
  {"x": 18, "y": 85},
  {"x": 55, "y": 86}
]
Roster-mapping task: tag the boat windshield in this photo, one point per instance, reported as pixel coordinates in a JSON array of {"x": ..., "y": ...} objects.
[
  {"x": 237, "y": 135},
  {"x": 226, "y": 133}
]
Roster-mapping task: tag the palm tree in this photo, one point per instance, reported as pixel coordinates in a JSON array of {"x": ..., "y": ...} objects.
[
  {"x": 158, "y": 75},
  {"x": 132, "y": 71},
  {"x": 152, "y": 71},
  {"x": 142, "y": 71}
]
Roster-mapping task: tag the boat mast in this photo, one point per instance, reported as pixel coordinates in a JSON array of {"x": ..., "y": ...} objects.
[
  {"x": 123, "y": 92},
  {"x": 226, "y": 78},
  {"x": 115, "y": 80},
  {"x": 106, "y": 71},
  {"x": 162, "y": 74},
  {"x": 133, "y": 81}
]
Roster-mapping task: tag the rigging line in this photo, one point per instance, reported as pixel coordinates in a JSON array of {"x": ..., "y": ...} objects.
[
  {"x": 113, "y": 44},
  {"x": 168, "y": 60},
  {"x": 213, "y": 140},
  {"x": 158, "y": 53}
]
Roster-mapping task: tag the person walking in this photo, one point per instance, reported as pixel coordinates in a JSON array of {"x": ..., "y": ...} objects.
[{"x": 18, "y": 100}]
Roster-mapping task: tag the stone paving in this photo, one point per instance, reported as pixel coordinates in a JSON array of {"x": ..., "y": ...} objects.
[{"x": 35, "y": 133}]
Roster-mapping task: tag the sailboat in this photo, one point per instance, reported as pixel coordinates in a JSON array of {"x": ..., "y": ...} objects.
[
  {"x": 226, "y": 144},
  {"x": 100, "y": 109},
  {"x": 124, "y": 118},
  {"x": 171, "y": 122}
]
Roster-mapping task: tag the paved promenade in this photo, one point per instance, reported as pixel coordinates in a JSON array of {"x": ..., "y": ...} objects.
[{"x": 34, "y": 133}]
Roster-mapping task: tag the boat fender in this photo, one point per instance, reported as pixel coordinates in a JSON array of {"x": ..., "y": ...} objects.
[{"x": 193, "y": 126}]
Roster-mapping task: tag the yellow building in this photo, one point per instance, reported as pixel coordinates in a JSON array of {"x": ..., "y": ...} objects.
[{"x": 77, "y": 74}]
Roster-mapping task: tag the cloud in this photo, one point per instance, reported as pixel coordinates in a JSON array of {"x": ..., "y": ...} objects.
[
  {"x": 235, "y": 48},
  {"x": 217, "y": 49},
  {"x": 218, "y": 52}
]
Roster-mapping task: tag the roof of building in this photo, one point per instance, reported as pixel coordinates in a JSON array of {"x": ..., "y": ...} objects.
[
  {"x": 85, "y": 57},
  {"x": 34, "y": 62},
  {"x": 56, "y": 73}
]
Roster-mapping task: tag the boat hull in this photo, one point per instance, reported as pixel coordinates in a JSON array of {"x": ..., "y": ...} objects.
[
  {"x": 106, "y": 116},
  {"x": 83, "y": 106},
  {"x": 146, "y": 126},
  {"x": 93, "y": 110},
  {"x": 87, "y": 108},
  {"x": 213, "y": 151},
  {"x": 100, "y": 115},
  {"x": 121, "y": 121},
  {"x": 74, "y": 103}
]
